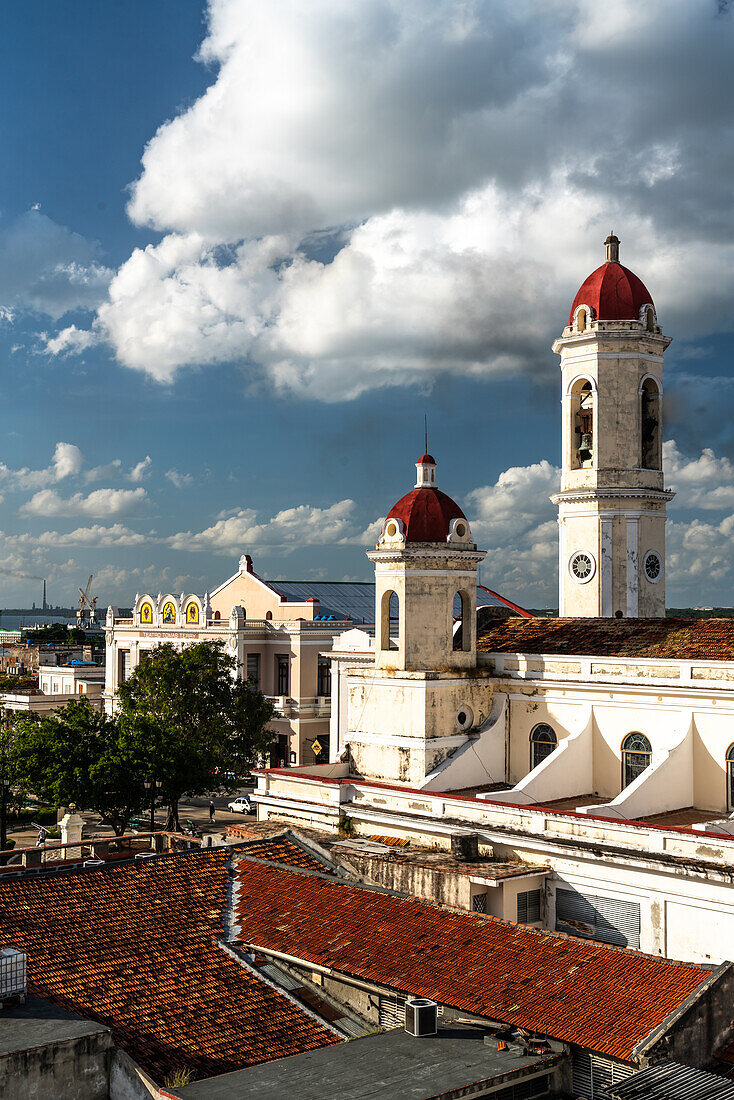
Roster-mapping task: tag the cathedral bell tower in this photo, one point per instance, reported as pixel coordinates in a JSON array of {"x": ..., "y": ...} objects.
[{"x": 611, "y": 507}]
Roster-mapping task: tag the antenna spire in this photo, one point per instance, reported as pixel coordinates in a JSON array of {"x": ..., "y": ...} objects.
[{"x": 425, "y": 427}]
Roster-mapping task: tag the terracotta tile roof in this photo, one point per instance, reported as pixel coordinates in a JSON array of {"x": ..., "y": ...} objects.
[
  {"x": 604, "y": 998},
  {"x": 662, "y": 639},
  {"x": 134, "y": 947},
  {"x": 282, "y": 849}
]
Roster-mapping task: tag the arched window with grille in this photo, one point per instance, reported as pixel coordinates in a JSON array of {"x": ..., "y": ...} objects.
[
  {"x": 730, "y": 778},
  {"x": 543, "y": 741},
  {"x": 636, "y": 756}
]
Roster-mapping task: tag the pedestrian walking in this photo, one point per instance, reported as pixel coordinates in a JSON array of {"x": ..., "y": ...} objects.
[
  {"x": 41, "y": 840},
  {"x": 211, "y": 810}
]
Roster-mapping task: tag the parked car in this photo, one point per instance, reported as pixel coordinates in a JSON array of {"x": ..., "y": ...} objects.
[{"x": 242, "y": 805}]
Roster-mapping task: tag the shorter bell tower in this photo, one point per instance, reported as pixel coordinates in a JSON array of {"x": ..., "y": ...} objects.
[
  {"x": 423, "y": 698},
  {"x": 612, "y": 503}
]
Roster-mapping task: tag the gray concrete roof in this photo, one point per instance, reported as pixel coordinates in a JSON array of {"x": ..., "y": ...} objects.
[
  {"x": 38, "y": 1023},
  {"x": 388, "y": 1065}
]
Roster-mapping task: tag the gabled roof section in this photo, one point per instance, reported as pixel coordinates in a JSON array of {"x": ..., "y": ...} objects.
[
  {"x": 289, "y": 850},
  {"x": 134, "y": 946},
  {"x": 603, "y": 998},
  {"x": 658, "y": 639}
]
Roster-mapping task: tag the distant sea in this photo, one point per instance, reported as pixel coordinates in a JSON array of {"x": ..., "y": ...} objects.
[{"x": 33, "y": 618}]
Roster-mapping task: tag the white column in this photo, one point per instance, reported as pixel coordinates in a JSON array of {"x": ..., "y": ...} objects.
[
  {"x": 561, "y": 567},
  {"x": 633, "y": 567},
  {"x": 605, "y": 552}
]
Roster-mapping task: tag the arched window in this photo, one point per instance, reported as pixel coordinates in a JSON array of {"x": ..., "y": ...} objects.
[
  {"x": 217, "y": 616},
  {"x": 582, "y": 425},
  {"x": 636, "y": 756},
  {"x": 650, "y": 319},
  {"x": 581, "y": 320},
  {"x": 462, "y": 627},
  {"x": 543, "y": 741},
  {"x": 650, "y": 425},
  {"x": 268, "y": 615},
  {"x": 389, "y": 618},
  {"x": 730, "y": 778}
]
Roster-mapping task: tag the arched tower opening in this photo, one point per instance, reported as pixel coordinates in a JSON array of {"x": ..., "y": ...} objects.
[
  {"x": 389, "y": 619},
  {"x": 650, "y": 434},
  {"x": 582, "y": 424}
]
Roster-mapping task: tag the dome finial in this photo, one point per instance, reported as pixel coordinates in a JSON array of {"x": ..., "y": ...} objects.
[{"x": 611, "y": 246}]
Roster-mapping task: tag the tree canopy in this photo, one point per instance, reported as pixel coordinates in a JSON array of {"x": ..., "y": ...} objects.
[
  {"x": 77, "y": 755},
  {"x": 203, "y": 728}
]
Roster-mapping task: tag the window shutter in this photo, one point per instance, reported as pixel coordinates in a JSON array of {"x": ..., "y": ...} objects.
[{"x": 528, "y": 906}]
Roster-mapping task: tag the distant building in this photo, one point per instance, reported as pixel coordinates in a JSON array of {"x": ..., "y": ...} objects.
[{"x": 278, "y": 632}]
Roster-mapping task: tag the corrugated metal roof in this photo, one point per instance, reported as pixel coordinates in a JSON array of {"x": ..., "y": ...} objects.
[
  {"x": 672, "y": 1081},
  {"x": 353, "y": 600},
  {"x": 356, "y": 599}
]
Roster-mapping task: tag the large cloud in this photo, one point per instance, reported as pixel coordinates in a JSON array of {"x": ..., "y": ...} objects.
[
  {"x": 48, "y": 268},
  {"x": 372, "y": 193}
]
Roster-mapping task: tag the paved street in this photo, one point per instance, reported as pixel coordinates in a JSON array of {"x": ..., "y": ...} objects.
[{"x": 195, "y": 809}]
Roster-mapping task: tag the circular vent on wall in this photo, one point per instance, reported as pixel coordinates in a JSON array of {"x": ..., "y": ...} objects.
[{"x": 465, "y": 718}]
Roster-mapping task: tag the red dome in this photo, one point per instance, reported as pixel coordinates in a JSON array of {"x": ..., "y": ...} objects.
[
  {"x": 614, "y": 293},
  {"x": 426, "y": 514},
  {"x": 426, "y": 458}
]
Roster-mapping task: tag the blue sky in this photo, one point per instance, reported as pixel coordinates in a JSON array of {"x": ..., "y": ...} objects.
[{"x": 245, "y": 247}]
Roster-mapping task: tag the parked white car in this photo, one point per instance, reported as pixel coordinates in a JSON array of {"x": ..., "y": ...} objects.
[{"x": 243, "y": 804}]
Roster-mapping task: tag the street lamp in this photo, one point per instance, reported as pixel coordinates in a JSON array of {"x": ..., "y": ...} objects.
[{"x": 152, "y": 786}]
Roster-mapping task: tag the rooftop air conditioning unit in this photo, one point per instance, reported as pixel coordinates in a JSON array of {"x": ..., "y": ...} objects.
[
  {"x": 145, "y": 855},
  {"x": 12, "y": 973},
  {"x": 421, "y": 1017},
  {"x": 93, "y": 863}
]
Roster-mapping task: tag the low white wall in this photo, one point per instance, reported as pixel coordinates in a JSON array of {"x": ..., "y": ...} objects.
[{"x": 480, "y": 760}]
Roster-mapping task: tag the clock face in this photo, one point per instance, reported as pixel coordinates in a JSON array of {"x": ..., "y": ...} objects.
[
  {"x": 653, "y": 566},
  {"x": 582, "y": 566}
]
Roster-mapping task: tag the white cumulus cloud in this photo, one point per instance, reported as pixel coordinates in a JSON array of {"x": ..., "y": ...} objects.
[
  {"x": 299, "y": 526},
  {"x": 100, "y": 502}
]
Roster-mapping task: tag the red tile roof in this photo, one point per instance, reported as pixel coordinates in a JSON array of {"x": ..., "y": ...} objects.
[
  {"x": 282, "y": 849},
  {"x": 426, "y": 513},
  {"x": 134, "y": 947},
  {"x": 614, "y": 293},
  {"x": 603, "y": 998},
  {"x": 661, "y": 639}
]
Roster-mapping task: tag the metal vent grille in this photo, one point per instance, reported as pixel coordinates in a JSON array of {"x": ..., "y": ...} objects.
[
  {"x": 592, "y": 1075},
  {"x": 606, "y": 920},
  {"x": 391, "y": 1011}
]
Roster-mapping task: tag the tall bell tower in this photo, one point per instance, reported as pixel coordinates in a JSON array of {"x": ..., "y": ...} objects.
[{"x": 612, "y": 503}]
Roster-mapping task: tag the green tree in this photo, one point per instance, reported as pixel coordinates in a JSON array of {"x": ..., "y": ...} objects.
[
  {"x": 77, "y": 755},
  {"x": 203, "y": 727},
  {"x": 8, "y": 773}
]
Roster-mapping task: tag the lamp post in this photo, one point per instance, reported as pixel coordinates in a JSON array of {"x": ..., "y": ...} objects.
[{"x": 152, "y": 786}]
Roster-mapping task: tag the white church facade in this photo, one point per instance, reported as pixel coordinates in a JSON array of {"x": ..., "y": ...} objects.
[{"x": 599, "y": 743}]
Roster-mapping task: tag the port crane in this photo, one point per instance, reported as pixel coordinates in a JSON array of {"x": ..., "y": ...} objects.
[{"x": 87, "y": 613}]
